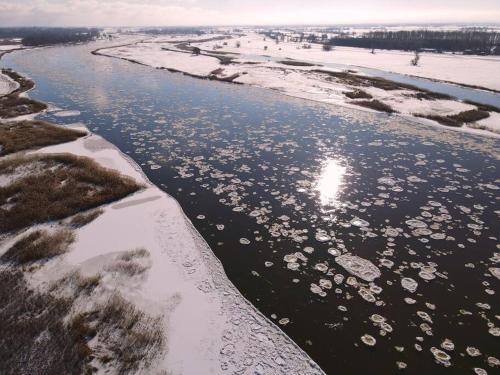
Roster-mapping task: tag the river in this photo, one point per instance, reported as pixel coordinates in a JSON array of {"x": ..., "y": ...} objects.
[{"x": 280, "y": 187}]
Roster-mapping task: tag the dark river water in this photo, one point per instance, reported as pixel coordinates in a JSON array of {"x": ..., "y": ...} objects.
[{"x": 341, "y": 226}]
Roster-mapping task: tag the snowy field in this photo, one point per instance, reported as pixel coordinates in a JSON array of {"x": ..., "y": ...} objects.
[
  {"x": 249, "y": 64},
  {"x": 470, "y": 70}
]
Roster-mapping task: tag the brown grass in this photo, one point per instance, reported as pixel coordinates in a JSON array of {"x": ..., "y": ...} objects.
[
  {"x": 459, "y": 119},
  {"x": 39, "y": 245},
  {"x": 66, "y": 186},
  {"x": 375, "y": 104},
  {"x": 132, "y": 337},
  {"x": 85, "y": 218},
  {"x": 470, "y": 116},
  {"x": 13, "y": 105},
  {"x": 33, "y": 336},
  {"x": 358, "y": 94},
  {"x": 126, "y": 263},
  {"x": 25, "y": 135}
]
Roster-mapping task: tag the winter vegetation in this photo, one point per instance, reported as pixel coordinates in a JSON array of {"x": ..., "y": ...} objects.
[
  {"x": 93, "y": 272},
  {"x": 102, "y": 272}
]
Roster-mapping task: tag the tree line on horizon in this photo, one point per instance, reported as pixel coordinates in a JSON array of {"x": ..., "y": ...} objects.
[
  {"x": 40, "y": 36},
  {"x": 468, "y": 41}
]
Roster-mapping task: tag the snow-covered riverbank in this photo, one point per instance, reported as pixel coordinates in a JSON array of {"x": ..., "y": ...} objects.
[
  {"x": 248, "y": 64},
  {"x": 209, "y": 327}
]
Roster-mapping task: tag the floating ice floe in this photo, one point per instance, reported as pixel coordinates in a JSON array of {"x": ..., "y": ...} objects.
[
  {"x": 368, "y": 340},
  {"x": 495, "y": 272},
  {"x": 362, "y": 268},
  {"x": 409, "y": 284},
  {"x": 441, "y": 356},
  {"x": 67, "y": 113}
]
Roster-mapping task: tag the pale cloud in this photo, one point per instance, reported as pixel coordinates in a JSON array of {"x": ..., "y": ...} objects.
[{"x": 226, "y": 12}]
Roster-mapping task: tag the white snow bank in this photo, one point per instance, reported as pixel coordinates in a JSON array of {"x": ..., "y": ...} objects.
[
  {"x": 7, "y": 85},
  {"x": 153, "y": 55},
  {"x": 9, "y": 47},
  {"x": 491, "y": 123},
  {"x": 470, "y": 70},
  {"x": 211, "y": 328}
]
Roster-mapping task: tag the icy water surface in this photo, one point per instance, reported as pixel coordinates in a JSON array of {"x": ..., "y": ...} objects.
[{"x": 372, "y": 241}]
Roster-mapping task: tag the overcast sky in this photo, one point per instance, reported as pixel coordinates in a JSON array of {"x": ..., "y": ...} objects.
[{"x": 241, "y": 12}]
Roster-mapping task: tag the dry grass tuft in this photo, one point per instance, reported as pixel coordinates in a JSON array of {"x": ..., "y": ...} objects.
[
  {"x": 66, "y": 185},
  {"x": 358, "y": 94},
  {"x": 39, "y": 245},
  {"x": 376, "y": 105},
  {"x": 25, "y": 135},
  {"x": 133, "y": 254},
  {"x": 459, "y": 119},
  {"x": 83, "y": 219},
  {"x": 132, "y": 338}
]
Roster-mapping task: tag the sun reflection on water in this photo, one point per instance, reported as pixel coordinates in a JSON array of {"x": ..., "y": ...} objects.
[{"x": 330, "y": 181}]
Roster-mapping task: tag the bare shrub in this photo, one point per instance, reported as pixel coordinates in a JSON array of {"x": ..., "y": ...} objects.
[
  {"x": 415, "y": 59},
  {"x": 39, "y": 245}
]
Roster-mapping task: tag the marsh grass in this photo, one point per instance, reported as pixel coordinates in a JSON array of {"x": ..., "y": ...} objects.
[
  {"x": 65, "y": 186},
  {"x": 85, "y": 218},
  {"x": 459, "y": 119},
  {"x": 39, "y": 245},
  {"x": 25, "y": 135},
  {"x": 34, "y": 338},
  {"x": 131, "y": 337},
  {"x": 39, "y": 335},
  {"x": 375, "y": 104}
]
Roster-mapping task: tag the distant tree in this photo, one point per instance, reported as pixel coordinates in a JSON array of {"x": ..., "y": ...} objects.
[
  {"x": 415, "y": 59},
  {"x": 327, "y": 47},
  {"x": 265, "y": 48},
  {"x": 196, "y": 51},
  {"x": 373, "y": 51},
  {"x": 238, "y": 44}
]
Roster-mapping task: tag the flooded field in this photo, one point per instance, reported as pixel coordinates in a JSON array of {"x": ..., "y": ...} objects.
[{"x": 371, "y": 240}]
